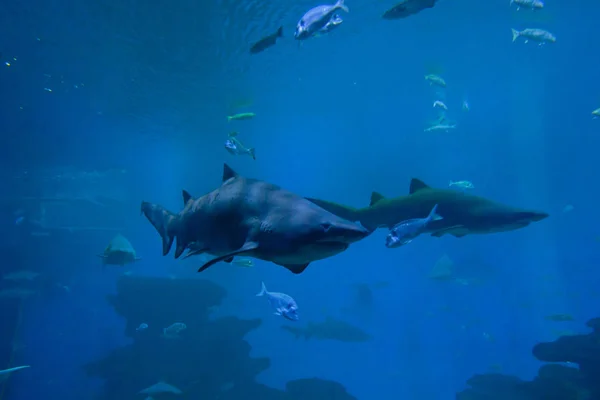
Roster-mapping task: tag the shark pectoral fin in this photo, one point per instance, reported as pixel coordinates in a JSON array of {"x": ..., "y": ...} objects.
[
  {"x": 247, "y": 247},
  {"x": 295, "y": 268},
  {"x": 228, "y": 260}
]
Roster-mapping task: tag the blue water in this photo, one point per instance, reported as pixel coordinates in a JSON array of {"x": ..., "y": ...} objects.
[{"x": 145, "y": 87}]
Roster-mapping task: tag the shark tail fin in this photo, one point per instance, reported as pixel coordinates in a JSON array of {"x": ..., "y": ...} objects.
[
  {"x": 164, "y": 221},
  {"x": 342, "y": 211},
  {"x": 263, "y": 290}
]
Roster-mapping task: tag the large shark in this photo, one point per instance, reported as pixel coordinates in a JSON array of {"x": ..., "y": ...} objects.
[
  {"x": 462, "y": 214},
  {"x": 253, "y": 218}
]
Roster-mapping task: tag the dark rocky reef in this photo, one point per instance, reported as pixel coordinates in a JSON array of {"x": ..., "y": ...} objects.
[
  {"x": 209, "y": 360},
  {"x": 554, "y": 381}
]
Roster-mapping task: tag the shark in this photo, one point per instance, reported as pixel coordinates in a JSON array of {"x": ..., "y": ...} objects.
[
  {"x": 253, "y": 218},
  {"x": 462, "y": 214}
]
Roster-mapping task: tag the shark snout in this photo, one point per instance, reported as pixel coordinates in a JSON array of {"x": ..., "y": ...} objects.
[
  {"x": 532, "y": 216},
  {"x": 344, "y": 232}
]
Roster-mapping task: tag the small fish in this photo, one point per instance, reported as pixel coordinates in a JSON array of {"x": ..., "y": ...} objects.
[
  {"x": 559, "y": 317},
  {"x": 22, "y": 275},
  {"x": 243, "y": 262},
  {"x": 143, "y": 326},
  {"x": 161, "y": 387},
  {"x": 266, "y": 42},
  {"x": 440, "y": 104},
  {"x": 406, "y": 8},
  {"x": 532, "y": 4},
  {"x": 461, "y": 185},
  {"x": 440, "y": 128},
  {"x": 316, "y": 19},
  {"x": 465, "y": 106},
  {"x": 19, "y": 220},
  {"x": 282, "y": 303},
  {"x": 172, "y": 332},
  {"x": 17, "y": 293},
  {"x": 568, "y": 208},
  {"x": 537, "y": 35},
  {"x": 404, "y": 232},
  {"x": 435, "y": 80},
  {"x": 596, "y": 113},
  {"x": 237, "y": 148},
  {"x": 241, "y": 116}
]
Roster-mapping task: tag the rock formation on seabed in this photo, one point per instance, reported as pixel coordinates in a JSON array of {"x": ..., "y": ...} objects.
[
  {"x": 554, "y": 381},
  {"x": 209, "y": 359}
]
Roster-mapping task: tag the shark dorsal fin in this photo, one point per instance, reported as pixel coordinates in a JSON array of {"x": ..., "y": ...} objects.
[
  {"x": 180, "y": 247},
  {"x": 228, "y": 172},
  {"x": 416, "y": 185},
  {"x": 376, "y": 197},
  {"x": 186, "y": 196}
]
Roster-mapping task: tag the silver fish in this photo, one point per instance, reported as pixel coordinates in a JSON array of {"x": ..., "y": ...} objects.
[
  {"x": 143, "y": 326},
  {"x": 237, "y": 148},
  {"x": 532, "y": 4},
  {"x": 283, "y": 304},
  {"x": 316, "y": 19},
  {"x": 461, "y": 184},
  {"x": 537, "y": 35},
  {"x": 404, "y": 232},
  {"x": 440, "y": 128},
  {"x": 172, "y": 332}
]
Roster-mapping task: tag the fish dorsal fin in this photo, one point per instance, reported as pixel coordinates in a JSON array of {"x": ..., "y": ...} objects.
[
  {"x": 416, "y": 185},
  {"x": 186, "y": 197},
  {"x": 228, "y": 173},
  {"x": 376, "y": 197}
]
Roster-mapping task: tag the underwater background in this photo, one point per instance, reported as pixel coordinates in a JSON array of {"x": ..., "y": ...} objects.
[{"x": 107, "y": 103}]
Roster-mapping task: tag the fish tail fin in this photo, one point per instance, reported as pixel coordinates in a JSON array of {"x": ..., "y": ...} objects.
[
  {"x": 433, "y": 215},
  {"x": 340, "y": 4},
  {"x": 164, "y": 221},
  {"x": 515, "y": 34},
  {"x": 280, "y": 31},
  {"x": 263, "y": 290},
  {"x": 252, "y": 152}
]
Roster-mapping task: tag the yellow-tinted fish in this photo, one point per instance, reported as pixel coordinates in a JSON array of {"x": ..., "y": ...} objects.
[
  {"x": 435, "y": 80},
  {"x": 241, "y": 116}
]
